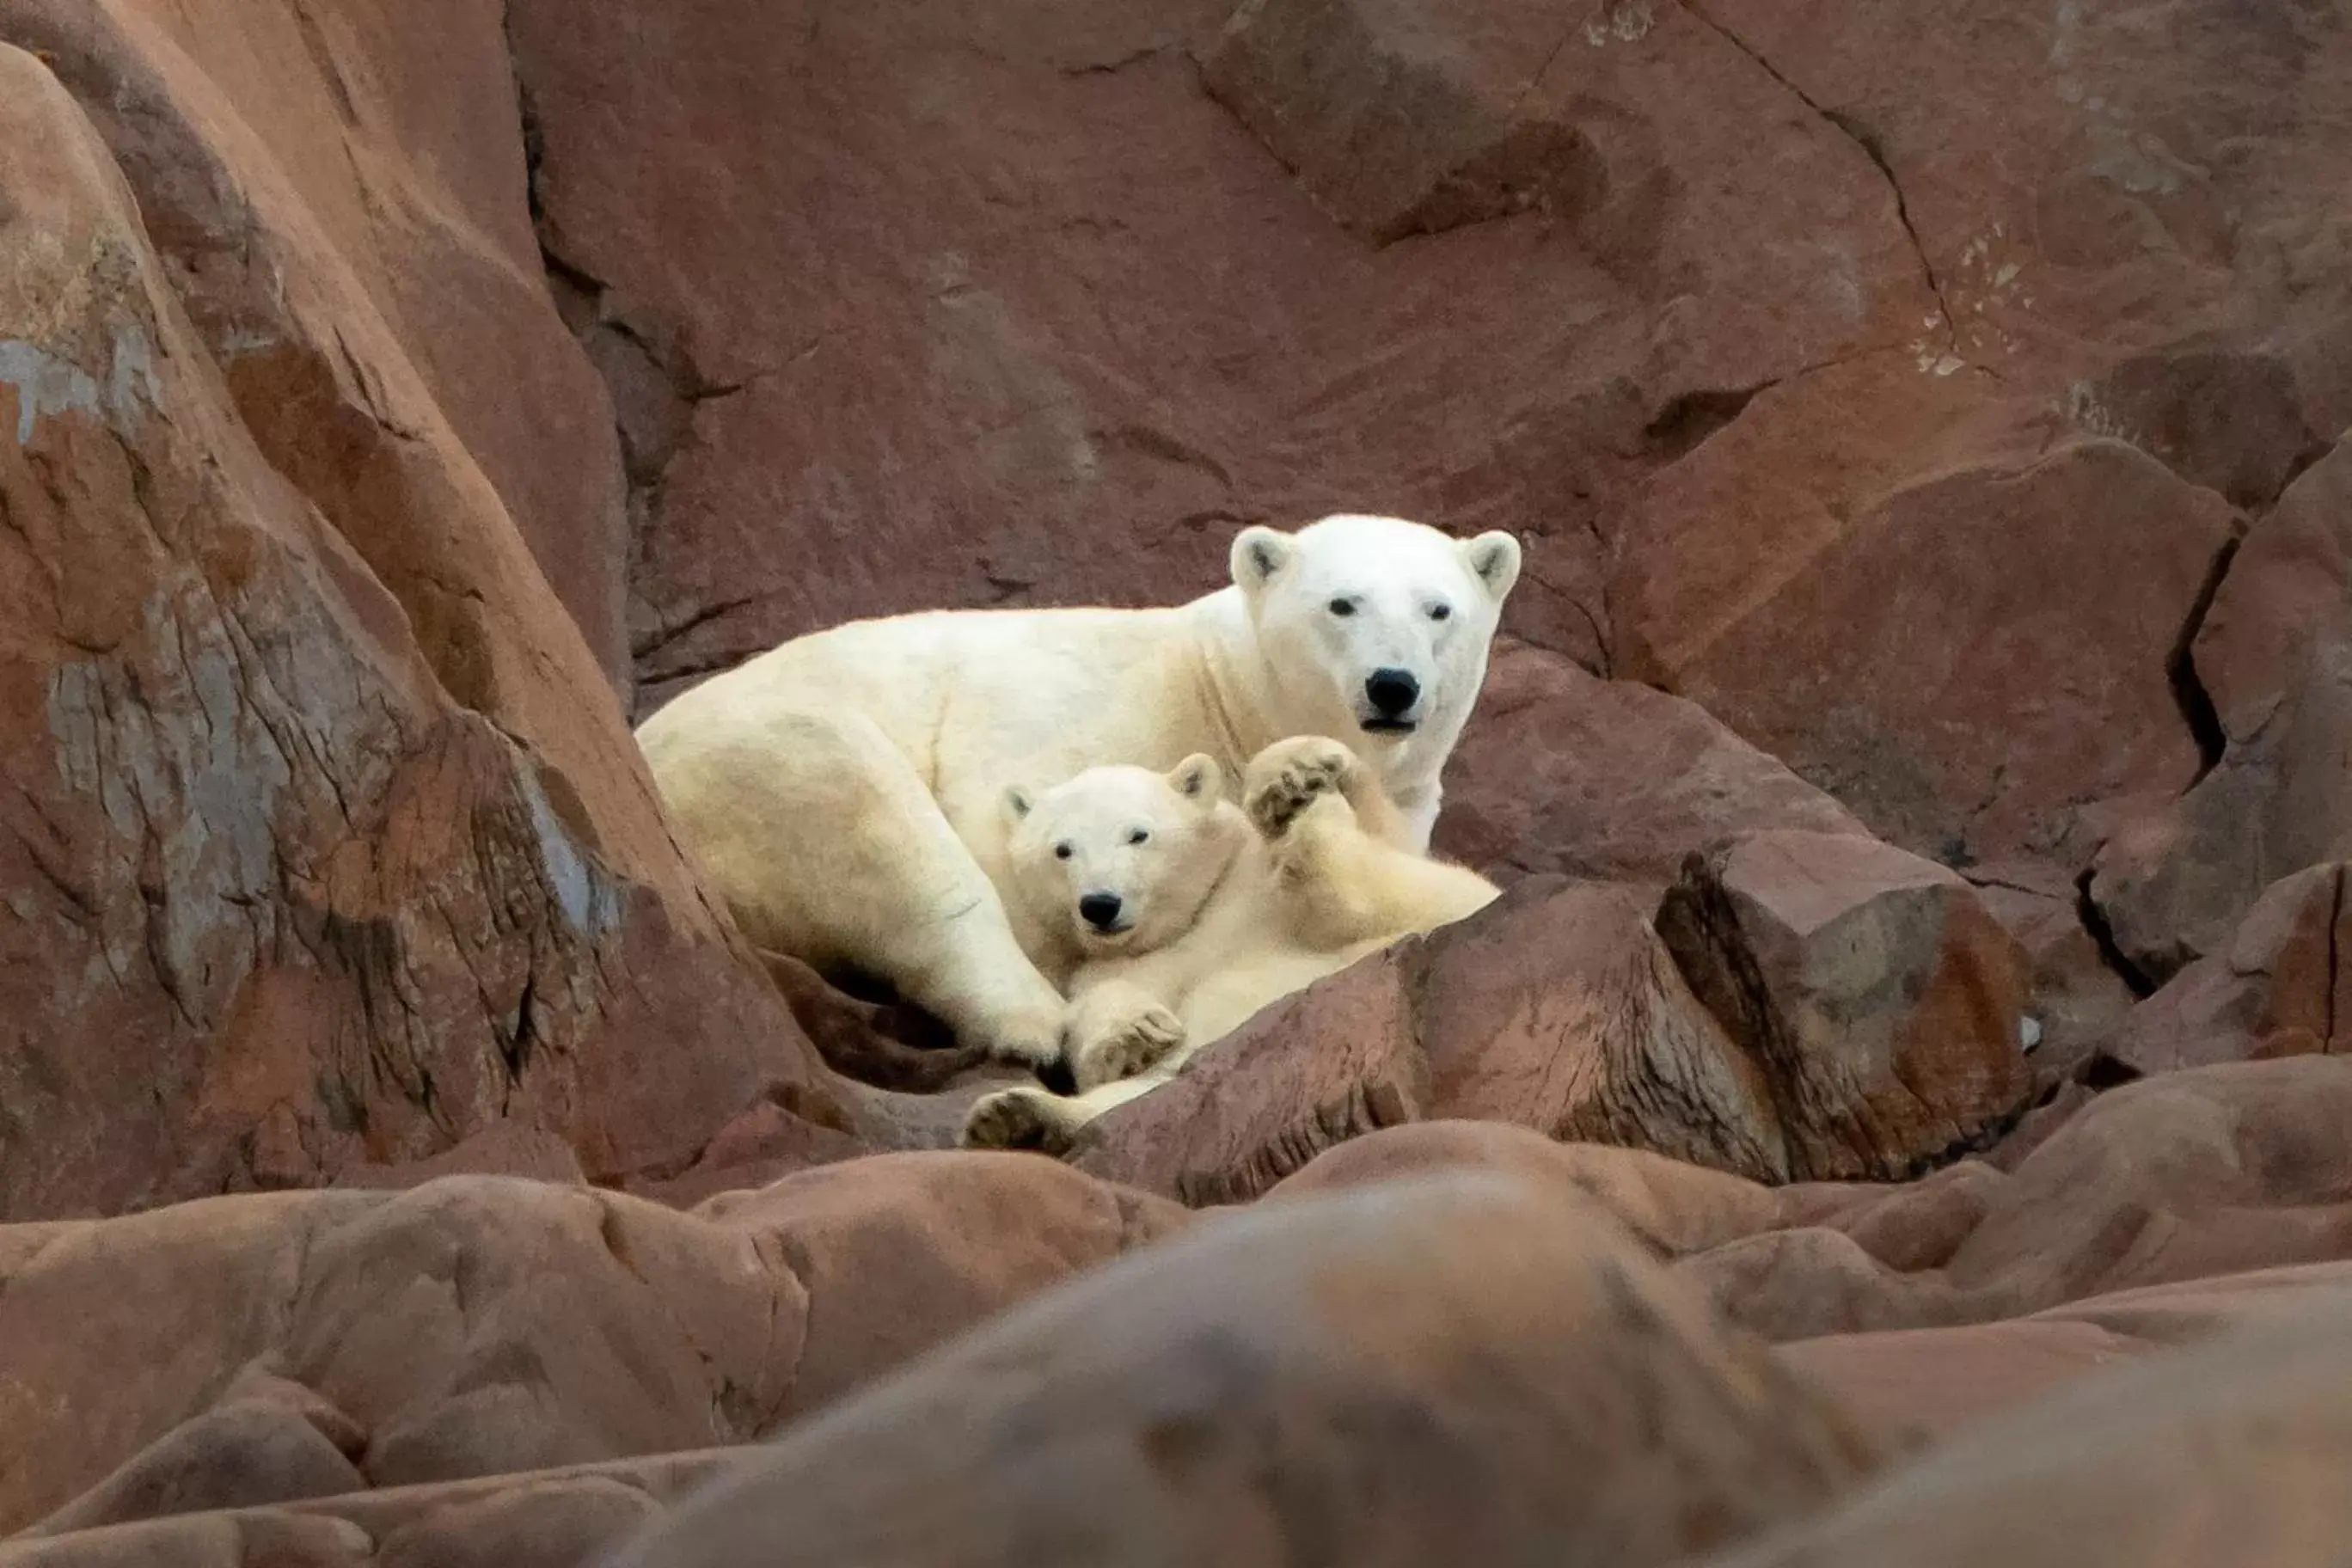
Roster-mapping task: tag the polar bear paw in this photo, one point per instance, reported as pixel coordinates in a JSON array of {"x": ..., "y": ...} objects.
[
  {"x": 1131, "y": 1044},
  {"x": 1290, "y": 775},
  {"x": 1033, "y": 1042},
  {"x": 1017, "y": 1118}
]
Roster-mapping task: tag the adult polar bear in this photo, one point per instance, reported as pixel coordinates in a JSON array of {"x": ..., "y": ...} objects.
[{"x": 845, "y": 791}]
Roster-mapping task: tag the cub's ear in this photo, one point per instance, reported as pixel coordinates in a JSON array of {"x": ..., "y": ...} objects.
[
  {"x": 1018, "y": 803},
  {"x": 1495, "y": 557},
  {"x": 1259, "y": 555},
  {"x": 1199, "y": 779}
]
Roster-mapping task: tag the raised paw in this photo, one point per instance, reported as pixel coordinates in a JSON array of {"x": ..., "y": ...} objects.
[
  {"x": 1289, "y": 775},
  {"x": 1017, "y": 1119},
  {"x": 1135, "y": 1043}
]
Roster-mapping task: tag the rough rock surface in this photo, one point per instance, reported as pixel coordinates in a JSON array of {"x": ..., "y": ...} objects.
[
  {"x": 326, "y": 1341},
  {"x": 1537, "y": 1389},
  {"x": 1607, "y": 779},
  {"x": 2227, "y": 1454},
  {"x": 277, "y": 901},
  {"x": 2275, "y": 660},
  {"x": 1928, "y": 427},
  {"x": 1813, "y": 1006},
  {"x": 2281, "y": 985}
]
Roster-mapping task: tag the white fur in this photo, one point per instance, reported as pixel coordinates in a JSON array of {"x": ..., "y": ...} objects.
[
  {"x": 845, "y": 791},
  {"x": 1314, "y": 887}
]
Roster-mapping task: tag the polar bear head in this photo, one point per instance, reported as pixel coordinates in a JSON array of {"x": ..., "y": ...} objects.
[
  {"x": 1373, "y": 626},
  {"x": 1121, "y": 859}
]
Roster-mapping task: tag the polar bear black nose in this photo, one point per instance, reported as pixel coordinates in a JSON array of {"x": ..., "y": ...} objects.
[
  {"x": 1100, "y": 910},
  {"x": 1391, "y": 692}
]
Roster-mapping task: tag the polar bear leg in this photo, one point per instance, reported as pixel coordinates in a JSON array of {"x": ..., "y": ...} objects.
[{"x": 826, "y": 845}]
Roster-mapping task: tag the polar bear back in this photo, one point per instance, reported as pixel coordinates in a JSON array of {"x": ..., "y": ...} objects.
[{"x": 972, "y": 698}]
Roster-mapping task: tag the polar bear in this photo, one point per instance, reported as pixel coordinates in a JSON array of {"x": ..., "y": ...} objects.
[
  {"x": 843, "y": 792},
  {"x": 1221, "y": 910}
]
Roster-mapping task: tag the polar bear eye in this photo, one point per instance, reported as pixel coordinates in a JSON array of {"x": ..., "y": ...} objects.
[
  {"x": 1343, "y": 607},
  {"x": 1061, "y": 851},
  {"x": 1141, "y": 836},
  {"x": 1439, "y": 612}
]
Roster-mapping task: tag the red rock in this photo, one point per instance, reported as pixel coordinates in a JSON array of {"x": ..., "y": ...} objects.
[
  {"x": 479, "y": 1325},
  {"x": 234, "y": 1454},
  {"x": 2275, "y": 659},
  {"x": 546, "y": 1519},
  {"x": 1953, "y": 656},
  {"x": 1822, "y": 1006},
  {"x": 1463, "y": 1368},
  {"x": 1556, "y": 1009},
  {"x": 2048, "y": 170},
  {"x": 2078, "y": 998},
  {"x": 1311, "y": 1071},
  {"x": 1562, "y": 1010},
  {"x": 502, "y": 1149},
  {"x": 1907, "y": 1382},
  {"x": 2279, "y": 987},
  {"x": 2226, "y": 1453},
  {"x": 839, "y": 340},
  {"x": 1673, "y": 1207},
  {"x": 558, "y": 1522},
  {"x": 342, "y": 191},
  {"x": 1879, "y": 1002},
  {"x": 1561, "y": 772},
  {"x": 2184, "y": 1176},
  {"x": 278, "y": 906}
]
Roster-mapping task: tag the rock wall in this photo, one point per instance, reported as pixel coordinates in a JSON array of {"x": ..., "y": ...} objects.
[{"x": 326, "y": 842}]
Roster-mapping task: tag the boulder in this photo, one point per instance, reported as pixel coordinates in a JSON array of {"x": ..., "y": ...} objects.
[
  {"x": 277, "y": 902},
  {"x": 478, "y": 1325},
  {"x": 1882, "y": 1004},
  {"x": 2279, "y": 986},
  {"x": 2188, "y": 1175},
  {"x": 2229, "y": 1453},
  {"x": 1954, "y": 655},
  {"x": 1814, "y": 1006},
  {"x": 2273, "y": 662},
  {"x": 539, "y": 1519},
  {"x": 1457, "y": 1368},
  {"x": 1906, "y": 1383},
  {"x": 2079, "y": 992},
  {"x": 1561, "y": 772},
  {"x": 341, "y": 190}
]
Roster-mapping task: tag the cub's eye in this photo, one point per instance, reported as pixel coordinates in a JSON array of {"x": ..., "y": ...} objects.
[
  {"x": 1343, "y": 607},
  {"x": 1061, "y": 851},
  {"x": 1439, "y": 612},
  {"x": 1141, "y": 836}
]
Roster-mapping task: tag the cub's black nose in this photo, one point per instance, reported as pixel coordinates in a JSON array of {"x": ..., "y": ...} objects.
[
  {"x": 1391, "y": 692},
  {"x": 1099, "y": 911}
]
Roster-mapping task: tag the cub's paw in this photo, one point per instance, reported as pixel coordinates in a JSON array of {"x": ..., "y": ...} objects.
[
  {"x": 1133, "y": 1044},
  {"x": 1289, "y": 775},
  {"x": 1017, "y": 1119}
]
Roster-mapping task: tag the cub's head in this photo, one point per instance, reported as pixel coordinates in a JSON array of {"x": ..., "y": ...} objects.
[
  {"x": 1374, "y": 626},
  {"x": 1121, "y": 859}
]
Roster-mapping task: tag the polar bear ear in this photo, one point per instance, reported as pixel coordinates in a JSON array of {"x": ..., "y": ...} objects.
[
  {"x": 1259, "y": 555},
  {"x": 1018, "y": 803},
  {"x": 1198, "y": 778},
  {"x": 1495, "y": 557}
]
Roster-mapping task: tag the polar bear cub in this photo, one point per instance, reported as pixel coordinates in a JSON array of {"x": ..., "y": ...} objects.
[
  {"x": 1194, "y": 914},
  {"x": 843, "y": 792}
]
